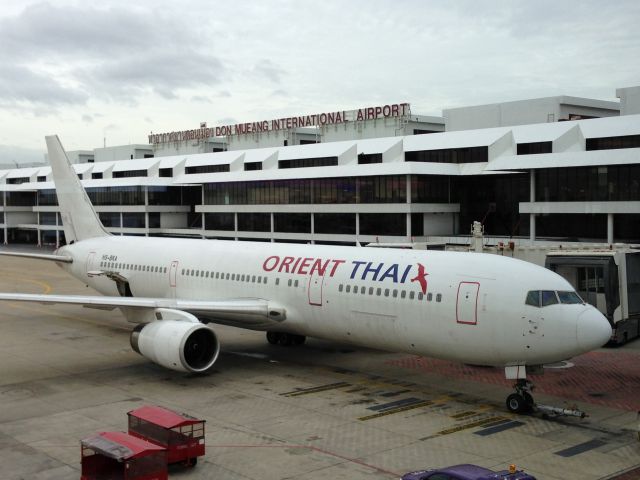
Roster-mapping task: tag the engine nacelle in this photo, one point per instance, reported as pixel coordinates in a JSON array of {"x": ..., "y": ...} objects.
[{"x": 177, "y": 345}]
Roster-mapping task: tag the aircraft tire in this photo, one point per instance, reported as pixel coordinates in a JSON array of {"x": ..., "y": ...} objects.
[
  {"x": 273, "y": 337},
  {"x": 516, "y": 403},
  {"x": 285, "y": 339},
  {"x": 299, "y": 339}
]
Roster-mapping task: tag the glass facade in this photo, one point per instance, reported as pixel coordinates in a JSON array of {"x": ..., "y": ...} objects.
[
  {"x": 116, "y": 195},
  {"x": 572, "y": 227},
  {"x": 219, "y": 221},
  {"x": 493, "y": 200},
  {"x": 253, "y": 166},
  {"x": 449, "y": 155},
  {"x": 47, "y": 198},
  {"x": 154, "y": 220},
  {"x": 110, "y": 219},
  {"x": 133, "y": 220},
  {"x": 375, "y": 189},
  {"x": 366, "y": 158},
  {"x": 130, "y": 174},
  {"x": 309, "y": 162},
  {"x": 336, "y": 223},
  {"x": 430, "y": 189},
  {"x": 533, "y": 148},
  {"x": 292, "y": 222},
  {"x": 611, "y": 143},
  {"x": 254, "y": 222},
  {"x": 47, "y": 218},
  {"x": 383, "y": 224},
  {"x": 207, "y": 169},
  {"x": 20, "y": 199},
  {"x": 579, "y": 184}
]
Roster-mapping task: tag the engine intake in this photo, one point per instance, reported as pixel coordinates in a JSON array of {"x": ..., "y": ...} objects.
[{"x": 177, "y": 345}]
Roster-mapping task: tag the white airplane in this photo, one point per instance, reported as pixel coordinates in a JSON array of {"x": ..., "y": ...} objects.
[{"x": 467, "y": 307}]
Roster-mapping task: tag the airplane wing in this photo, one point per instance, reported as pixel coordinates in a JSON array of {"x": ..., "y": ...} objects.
[{"x": 243, "y": 312}]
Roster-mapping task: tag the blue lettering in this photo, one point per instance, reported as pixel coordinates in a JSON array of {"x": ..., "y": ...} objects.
[
  {"x": 375, "y": 271},
  {"x": 404, "y": 275},
  {"x": 356, "y": 266},
  {"x": 391, "y": 272}
]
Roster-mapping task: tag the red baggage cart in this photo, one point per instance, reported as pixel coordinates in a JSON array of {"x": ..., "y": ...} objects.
[
  {"x": 182, "y": 435},
  {"x": 117, "y": 455}
]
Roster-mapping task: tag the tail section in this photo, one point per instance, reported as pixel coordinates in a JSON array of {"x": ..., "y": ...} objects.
[{"x": 79, "y": 219}]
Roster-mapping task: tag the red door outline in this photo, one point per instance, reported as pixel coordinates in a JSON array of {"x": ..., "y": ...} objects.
[
  {"x": 314, "y": 290},
  {"x": 467, "y": 288},
  {"x": 173, "y": 273}
]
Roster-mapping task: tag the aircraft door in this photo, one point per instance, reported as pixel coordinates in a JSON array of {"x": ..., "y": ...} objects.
[
  {"x": 315, "y": 289},
  {"x": 467, "y": 303},
  {"x": 91, "y": 260},
  {"x": 173, "y": 275}
]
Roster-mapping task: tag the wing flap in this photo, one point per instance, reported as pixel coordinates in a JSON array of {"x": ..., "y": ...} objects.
[{"x": 244, "y": 312}]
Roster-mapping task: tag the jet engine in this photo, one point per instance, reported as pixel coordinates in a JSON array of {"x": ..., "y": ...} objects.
[{"x": 177, "y": 345}]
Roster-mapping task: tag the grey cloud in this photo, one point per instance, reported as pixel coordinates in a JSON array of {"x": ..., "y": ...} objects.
[
  {"x": 87, "y": 118},
  {"x": 19, "y": 84},
  {"x": 110, "y": 53},
  {"x": 269, "y": 69},
  {"x": 12, "y": 155}
]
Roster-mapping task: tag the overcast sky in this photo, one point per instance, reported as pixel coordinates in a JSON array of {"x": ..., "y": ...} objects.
[{"x": 120, "y": 69}]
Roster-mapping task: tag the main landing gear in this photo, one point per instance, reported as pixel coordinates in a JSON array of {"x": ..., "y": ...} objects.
[{"x": 285, "y": 339}]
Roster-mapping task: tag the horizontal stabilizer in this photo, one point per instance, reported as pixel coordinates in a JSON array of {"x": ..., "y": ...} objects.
[{"x": 40, "y": 256}]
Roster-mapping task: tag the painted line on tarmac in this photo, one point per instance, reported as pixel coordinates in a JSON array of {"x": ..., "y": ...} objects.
[
  {"x": 321, "y": 388},
  {"x": 392, "y": 411}
]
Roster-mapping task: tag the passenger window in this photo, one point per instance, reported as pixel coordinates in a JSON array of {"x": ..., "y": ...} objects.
[
  {"x": 340, "y": 287},
  {"x": 412, "y": 295},
  {"x": 439, "y": 297},
  {"x": 253, "y": 279},
  {"x": 403, "y": 294},
  {"x": 289, "y": 283},
  {"x": 370, "y": 290},
  {"x": 182, "y": 273},
  {"x": 386, "y": 292},
  {"x": 295, "y": 284},
  {"x": 533, "y": 298},
  {"x": 355, "y": 289},
  {"x": 363, "y": 290},
  {"x": 420, "y": 296},
  {"x": 429, "y": 296},
  {"x": 549, "y": 298},
  {"x": 277, "y": 281},
  {"x": 233, "y": 276},
  {"x": 264, "y": 280},
  {"x": 348, "y": 289},
  {"x": 395, "y": 293},
  {"x": 227, "y": 277},
  {"x": 569, "y": 297},
  {"x": 217, "y": 275},
  {"x": 378, "y": 291}
]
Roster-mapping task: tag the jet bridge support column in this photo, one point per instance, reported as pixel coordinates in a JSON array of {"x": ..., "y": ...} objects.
[
  {"x": 610, "y": 228},
  {"x": 532, "y": 199}
]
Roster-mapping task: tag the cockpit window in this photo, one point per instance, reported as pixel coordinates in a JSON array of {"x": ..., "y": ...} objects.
[
  {"x": 549, "y": 297},
  {"x": 569, "y": 297},
  {"x": 533, "y": 298}
]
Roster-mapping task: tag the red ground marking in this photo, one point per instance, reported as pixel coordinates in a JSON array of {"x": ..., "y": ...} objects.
[{"x": 609, "y": 378}]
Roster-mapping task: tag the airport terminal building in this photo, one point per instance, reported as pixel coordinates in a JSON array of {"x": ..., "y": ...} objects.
[{"x": 556, "y": 168}]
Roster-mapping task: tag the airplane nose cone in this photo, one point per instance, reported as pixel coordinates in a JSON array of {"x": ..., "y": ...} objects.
[{"x": 592, "y": 329}]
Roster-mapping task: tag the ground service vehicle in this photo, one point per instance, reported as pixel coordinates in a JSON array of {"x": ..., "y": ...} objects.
[
  {"x": 468, "y": 472},
  {"x": 181, "y": 434}
]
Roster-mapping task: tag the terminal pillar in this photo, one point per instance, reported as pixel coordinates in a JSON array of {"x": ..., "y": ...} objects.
[
  {"x": 532, "y": 199},
  {"x": 610, "y": 228}
]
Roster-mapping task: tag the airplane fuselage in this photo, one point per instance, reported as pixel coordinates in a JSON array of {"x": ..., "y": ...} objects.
[{"x": 460, "y": 306}]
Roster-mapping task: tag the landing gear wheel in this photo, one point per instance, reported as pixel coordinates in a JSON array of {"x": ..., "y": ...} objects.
[
  {"x": 516, "y": 403},
  {"x": 285, "y": 339},
  {"x": 522, "y": 400}
]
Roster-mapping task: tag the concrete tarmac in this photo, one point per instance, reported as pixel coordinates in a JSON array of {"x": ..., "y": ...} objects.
[{"x": 316, "y": 411}]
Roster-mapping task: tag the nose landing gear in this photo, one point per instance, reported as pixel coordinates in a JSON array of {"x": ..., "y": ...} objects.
[{"x": 522, "y": 402}]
